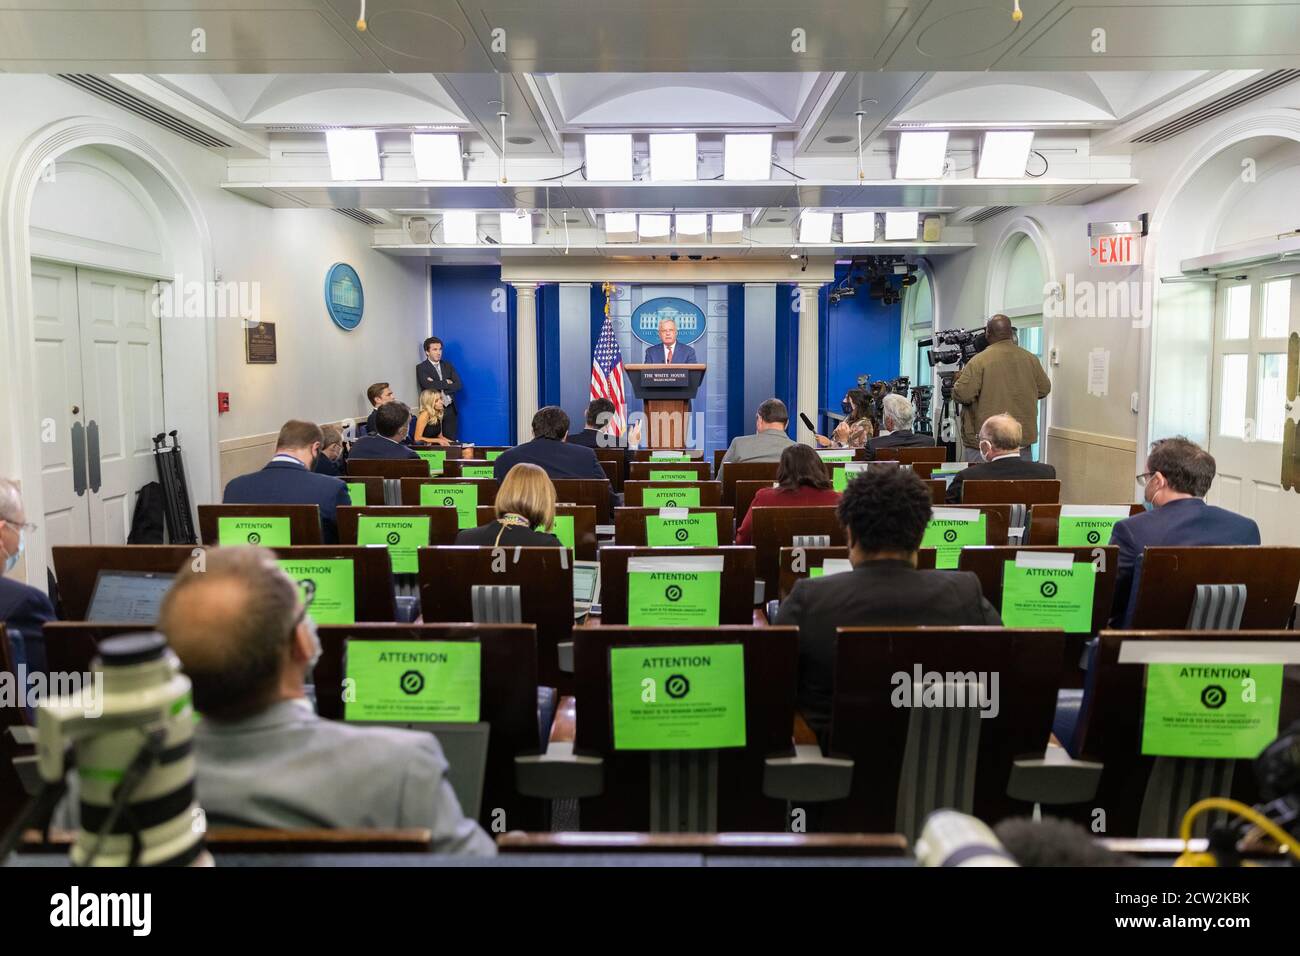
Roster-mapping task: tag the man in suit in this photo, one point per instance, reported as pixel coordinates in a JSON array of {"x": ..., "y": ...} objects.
[
  {"x": 1004, "y": 378},
  {"x": 669, "y": 351},
  {"x": 377, "y": 394},
  {"x": 884, "y": 514},
  {"x": 999, "y": 444},
  {"x": 1178, "y": 475},
  {"x": 331, "y": 452},
  {"x": 896, "y": 427},
  {"x": 288, "y": 479},
  {"x": 392, "y": 422},
  {"x": 557, "y": 457},
  {"x": 23, "y": 608},
  {"x": 439, "y": 375},
  {"x": 596, "y": 434},
  {"x": 262, "y": 756},
  {"x": 769, "y": 438}
]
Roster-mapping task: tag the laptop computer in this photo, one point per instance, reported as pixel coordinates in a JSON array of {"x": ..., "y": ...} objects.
[
  {"x": 128, "y": 596},
  {"x": 586, "y": 588}
]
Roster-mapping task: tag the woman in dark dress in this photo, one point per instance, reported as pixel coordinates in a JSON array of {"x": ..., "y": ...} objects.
[
  {"x": 525, "y": 501},
  {"x": 428, "y": 426}
]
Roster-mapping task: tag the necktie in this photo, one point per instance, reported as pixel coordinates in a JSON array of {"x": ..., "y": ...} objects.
[{"x": 668, "y": 360}]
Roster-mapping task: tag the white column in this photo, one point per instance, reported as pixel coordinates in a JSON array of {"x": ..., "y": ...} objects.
[
  {"x": 525, "y": 359},
  {"x": 809, "y": 361}
]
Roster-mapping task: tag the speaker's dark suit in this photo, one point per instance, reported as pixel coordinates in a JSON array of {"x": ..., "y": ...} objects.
[
  {"x": 289, "y": 483},
  {"x": 376, "y": 446},
  {"x": 1185, "y": 522},
  {"x": 903, "y": 438},
  {"x": 877, "y": 593},
  {"x": 682, "y": 354},
  {"x": 1003, "y": 469},
  {"x": 427, "y": 377}
]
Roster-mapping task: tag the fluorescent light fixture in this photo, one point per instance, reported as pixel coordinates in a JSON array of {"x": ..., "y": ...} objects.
[
  {"x": 901, "y": 225},
  {"x": 460, "y": 227},
  {"x": 517, "y": 230},
  {"x": 815, "y": 226},
  {"x": 692, "y": 227},
  {"x": 654, "y": 226},
  {"x": 921, "y": 154},
  {"x": 672, "y": 157},
  {"x": 859, "y": 227},
  {"x": 620, "y": 227},
  {"x": 609, "y": 157},
  {"x": 354, "y": 154},
  {"x": 437, "y": 156},
  {"x": 747, "y": 156},
  {"x": 728, "y": 226},
  {"x": 1004, "y": 154}
]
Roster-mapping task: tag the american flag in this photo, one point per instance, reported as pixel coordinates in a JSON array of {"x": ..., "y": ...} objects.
[{"x": 607, "y": 375}]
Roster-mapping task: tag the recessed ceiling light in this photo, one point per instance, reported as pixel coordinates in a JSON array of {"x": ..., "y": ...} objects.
[
  {"x": 839, "y": 140},
  {"x": 776, "y": 219},
  {"x": 519, "y": 140}
]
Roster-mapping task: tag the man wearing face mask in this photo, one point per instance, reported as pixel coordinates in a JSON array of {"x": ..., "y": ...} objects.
[
  {"x": 262, "y": 756},
  {"x": 23, "y": 609},
  {"x": 1178, "y": 475},
  {"x": 999, "y": 445},
  {"x": 288, "y": 479}
]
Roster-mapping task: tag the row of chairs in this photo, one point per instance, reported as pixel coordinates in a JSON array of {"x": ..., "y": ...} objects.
[{"x": 884, "y": 767}]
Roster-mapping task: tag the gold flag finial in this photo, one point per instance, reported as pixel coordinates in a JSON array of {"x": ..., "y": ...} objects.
[{"x": 608, "y": 289}]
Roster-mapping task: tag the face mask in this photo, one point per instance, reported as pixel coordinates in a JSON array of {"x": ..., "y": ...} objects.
[
  {"x": 986, "y": 450},
  {"x": 11, "y": 560},
  {"x": 847, "y": 406},
  {"x": 1147, "y": 503},
  {"x": 316, "y": 649}
]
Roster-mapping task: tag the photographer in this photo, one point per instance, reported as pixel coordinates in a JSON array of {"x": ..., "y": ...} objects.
[
  {"x": 856, "y": 430},
  {"x": 1002, "y": 378}
]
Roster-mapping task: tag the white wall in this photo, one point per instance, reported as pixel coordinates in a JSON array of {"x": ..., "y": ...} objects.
[
  {"x": 322, "y": 371},
  {"x": 1093, "y": 440}
]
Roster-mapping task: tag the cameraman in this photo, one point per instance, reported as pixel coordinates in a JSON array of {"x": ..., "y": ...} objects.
[{"x": 1002, "y": 378}]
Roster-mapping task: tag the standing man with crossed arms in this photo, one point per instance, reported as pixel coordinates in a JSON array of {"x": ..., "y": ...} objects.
[{"x": 438, "y": 374}]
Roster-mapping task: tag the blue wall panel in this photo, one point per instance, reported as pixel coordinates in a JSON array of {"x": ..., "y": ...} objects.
[
  {"x": 736, "y": 413},
  {"x": 548, "y": 345},
  {"x": 787, "y": 354},
  {"x": 479, "y": 341},
  {"x": 861, "y": 337}
]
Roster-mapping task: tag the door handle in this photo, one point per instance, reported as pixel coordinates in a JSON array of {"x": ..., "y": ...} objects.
[
  {"x": 78, "y": 458},
  {"x": 92, "y": 455}
]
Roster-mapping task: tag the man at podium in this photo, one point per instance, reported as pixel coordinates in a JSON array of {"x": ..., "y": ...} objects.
[{"x": 669, "y": 352}]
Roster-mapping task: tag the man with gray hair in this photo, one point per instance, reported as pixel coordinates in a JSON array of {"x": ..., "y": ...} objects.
[
  {"x": 769, "y": 439},
  {"x": 896, "y": 416},
  {"x": 23, "y": 609},
  {"x": 263, "y": 756},
  {"x": 999, "y": 445}
]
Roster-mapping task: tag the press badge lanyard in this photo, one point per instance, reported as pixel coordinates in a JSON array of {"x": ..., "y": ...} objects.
[{"x": 509, "y": 520}]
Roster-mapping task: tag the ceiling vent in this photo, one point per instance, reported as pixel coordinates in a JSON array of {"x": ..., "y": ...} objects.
[
  {"x": 134, "y": 104},
  {"x": 1265, "y": 84},
  {"x": 361, "y": 216},
  {"x": 987, "y": 213}
]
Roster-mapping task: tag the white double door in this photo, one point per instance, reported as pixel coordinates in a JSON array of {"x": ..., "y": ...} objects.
[
  {"x": 1257, "y": 318},
  {"x": 98, "y": 401}
]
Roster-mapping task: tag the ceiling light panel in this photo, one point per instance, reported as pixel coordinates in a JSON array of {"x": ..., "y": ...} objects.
[
  {"x": 354, "y": 154},
  {"x": 460, "y": 227},
  {"x": 747, "y": 156},
  {"x": 672, "y": 157},
  {"x": 437, "y": 156},
  {"x": 921, "y": 154},
  {"x": 609, "y": 157},
  {"x": 1004, "y": 154},
  {"x": 815, "y": 226}
]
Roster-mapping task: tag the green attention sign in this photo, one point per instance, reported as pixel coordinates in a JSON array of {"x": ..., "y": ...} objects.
[
  {"x": 656, "y": 457},
  {"x": 680, "y": 591},
  {"x": 1048, "y": 595},
  {"x": 831, "y": 566},
  {"x": 400, "y": 535},
  {"x": 435, "y": 681},
  {"x": 835, "y": 455},
  {"x": 674, "y": 527},
  {"x": 476, "y": 471},
  {"x": 949, "y": 531},
  {"x": 267, "y": 532},
  {"x": 685, "y": 697},
  {"x": 670, "y": 497},
  {"x": 562, "y": 529},
  {"x": 1211, "y": 710},
  {"x": 334, "y": 601},
  {"x": 436, "y": 459},
  {"x": 491, "y": 455},
  {"x": 1088, "y": 525},
  {"x": 666, "y": 474},
  {"x": 464, "y": 498},
  {"x": 357, "y": 493}
]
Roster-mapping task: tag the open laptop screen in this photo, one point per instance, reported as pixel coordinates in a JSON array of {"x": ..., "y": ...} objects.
[
  {"x": 128, "y": 596},
  {"x": 586, "y": 580}
]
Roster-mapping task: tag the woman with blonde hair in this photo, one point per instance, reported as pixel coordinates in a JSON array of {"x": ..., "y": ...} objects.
[
  {"x": 525, "y": 501},
  {"x": 428, "y": 426}
]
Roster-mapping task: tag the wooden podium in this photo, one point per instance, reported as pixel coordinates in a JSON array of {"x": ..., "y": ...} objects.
[{"x": 667, "y": 391}]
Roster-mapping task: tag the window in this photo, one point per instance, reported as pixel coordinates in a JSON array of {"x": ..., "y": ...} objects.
[
  {"x": 1275, "y": 317},
  {"x": 1236, "y": 318},
  {"x": 1232, "y": 406},
  {"x": 1270, "y": 397}
]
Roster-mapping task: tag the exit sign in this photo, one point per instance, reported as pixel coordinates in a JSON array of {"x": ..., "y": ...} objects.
[
  {"x": 1116, "y": 243},
  {"x": 1115, "y": 250}
]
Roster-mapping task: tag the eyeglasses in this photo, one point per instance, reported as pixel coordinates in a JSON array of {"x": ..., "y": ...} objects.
[
  {"x": 308, "y": 589},
  {"x": 28, "y": 526},
  {"x": 1146, "y": 476}
]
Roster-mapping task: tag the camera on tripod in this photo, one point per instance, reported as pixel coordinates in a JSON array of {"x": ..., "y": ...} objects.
[{"x": 959, "y": 346}]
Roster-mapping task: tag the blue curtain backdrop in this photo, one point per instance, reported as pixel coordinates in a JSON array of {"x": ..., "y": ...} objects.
[
  {"x": 479, "y": 339},
  {"x": 859, "y": 336}
]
